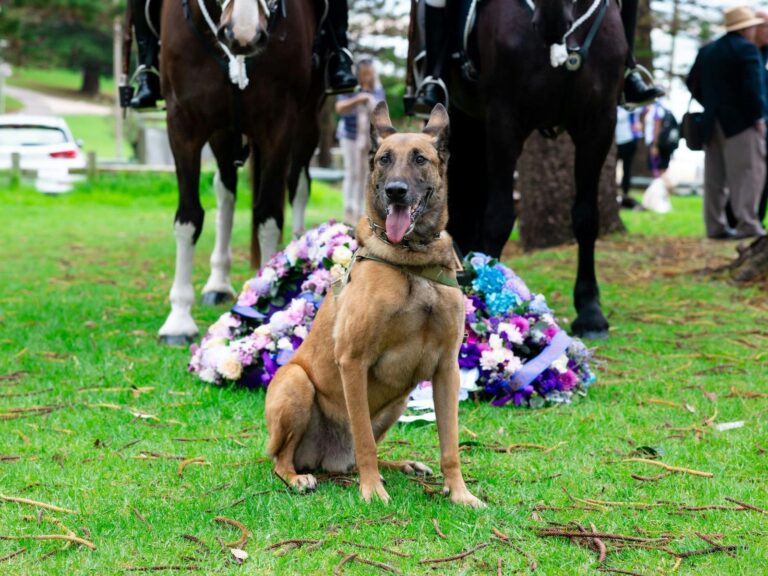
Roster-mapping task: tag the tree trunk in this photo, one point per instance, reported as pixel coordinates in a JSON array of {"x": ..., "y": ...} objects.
[
  {"x": 643, "y": 47},
  {"x": 547, "y": 189},
  {"x": 752, "y": 263},
  {"x": 90, "y": 85},
  {"x": 327, "y": 129}
]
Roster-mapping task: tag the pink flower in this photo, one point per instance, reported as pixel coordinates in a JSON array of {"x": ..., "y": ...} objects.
[{"x": 568, "y": 379}]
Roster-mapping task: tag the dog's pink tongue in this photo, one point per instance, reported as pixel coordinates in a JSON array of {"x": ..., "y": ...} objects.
[{"x": 398, "y": 222}]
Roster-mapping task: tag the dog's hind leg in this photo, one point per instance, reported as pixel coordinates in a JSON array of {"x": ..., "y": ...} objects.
[{"x": 288, "y": 410}]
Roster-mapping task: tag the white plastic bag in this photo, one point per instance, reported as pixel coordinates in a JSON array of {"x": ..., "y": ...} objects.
[{"x": 656, "y": 197}]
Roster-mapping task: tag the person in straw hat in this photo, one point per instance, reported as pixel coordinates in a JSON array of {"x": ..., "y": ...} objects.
[{"x": 728, "y": 80}]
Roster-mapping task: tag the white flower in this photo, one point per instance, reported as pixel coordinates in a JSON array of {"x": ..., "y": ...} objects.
[
  {"x": 208, "y": 375},
  {"x": 263, "y": 330},
  {"x": 561, "y": 364},
  {"x": 291, "y": 253},
  {"x": 301, "y": 332},
  {"x": 488, "y": 360},
  {"x": 211, "y": 343},
  {"x": 512, "y": 363},
  {"x": 342, "y": 255},
  {"x": 284, "y": 344},
  {"x": 495, "y": 342},
  {"x": 512, "y": 331},
  {"x": 229, "y": 366}
]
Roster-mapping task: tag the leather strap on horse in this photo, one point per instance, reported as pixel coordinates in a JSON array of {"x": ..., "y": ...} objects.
[{"x": 436, "y": 274}]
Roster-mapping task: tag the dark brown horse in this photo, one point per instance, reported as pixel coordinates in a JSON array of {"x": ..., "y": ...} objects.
[
  {"x": 276, "y": 112},
  {"x": 518, "y": 91}
]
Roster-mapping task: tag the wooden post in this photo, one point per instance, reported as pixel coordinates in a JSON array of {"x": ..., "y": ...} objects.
[
  {"x": 15, "y": 169},
  {"x": 91, "y": 170},
  {"x": 117, "y": 67}
]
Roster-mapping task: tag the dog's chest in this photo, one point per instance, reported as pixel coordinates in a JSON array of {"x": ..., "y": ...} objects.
[{"x": 420, "y": 330}]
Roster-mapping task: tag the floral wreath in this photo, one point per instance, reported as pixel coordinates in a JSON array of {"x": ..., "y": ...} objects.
[{"x": 513, "y": 350}]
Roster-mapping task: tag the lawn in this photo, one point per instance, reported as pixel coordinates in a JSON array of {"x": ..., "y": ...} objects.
[
  {"x": 60, "y": 82},
  {"x": 96, "y": 418}
]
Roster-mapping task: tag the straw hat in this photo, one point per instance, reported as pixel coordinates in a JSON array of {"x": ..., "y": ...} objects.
[{"x": 740, "y": 18}]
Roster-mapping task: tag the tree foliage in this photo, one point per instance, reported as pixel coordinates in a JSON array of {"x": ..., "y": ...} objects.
[{"x": 74, "y": 34}]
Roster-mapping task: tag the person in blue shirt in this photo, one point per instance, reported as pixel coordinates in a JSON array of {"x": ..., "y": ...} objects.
[
  {"x": 354, "y": 137},
  {"x": 728, "y": 80}
]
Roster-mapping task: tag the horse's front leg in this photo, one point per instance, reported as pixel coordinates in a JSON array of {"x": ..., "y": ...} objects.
[
  {"x": 180, "y": 328},
  {"x": 592, "y": 142},
  {"x": 504, "y": 142},
  {"x": 218, "y": 289},
  {"x": 269, "y": 190}
]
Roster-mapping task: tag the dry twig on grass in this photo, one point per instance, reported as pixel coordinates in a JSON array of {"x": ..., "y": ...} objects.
[
  {"x": 454, "y": 557},
  {"x": 379, "y": 548},
  {"x": 340, "y": 566},
  {"x": 670, "y": 468},
  {"x": 380, "y": 565},
  {"x": 37, "y": 504},
  {"x": 240, "y": 542},
  {"x": 292, "y": 541},
  {"x": 437, "y": 529},
  {"x": 184, "y": 463},
  {"x": 747, "y": 506},
  {"x": 67, "y": 537},
  {"x": 18, "y": 552}
]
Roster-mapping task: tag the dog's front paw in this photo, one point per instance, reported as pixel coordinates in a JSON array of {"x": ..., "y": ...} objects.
[
  {"x": 303, "y": 483},
  {"x": 369, "y": 490},
  {"x": 464, "y": 497}
]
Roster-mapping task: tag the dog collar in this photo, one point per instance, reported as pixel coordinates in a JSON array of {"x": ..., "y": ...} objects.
[{"x": 437, "y": 274}]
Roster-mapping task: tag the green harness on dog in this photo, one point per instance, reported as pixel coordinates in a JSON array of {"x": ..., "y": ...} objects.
[{"x": 437, "y": 274}]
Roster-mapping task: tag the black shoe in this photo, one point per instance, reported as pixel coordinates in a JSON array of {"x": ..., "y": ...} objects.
[
  {"x": 341, "y": 78},
  {"x": 637, "y": 92},
  {"x": 727, "y": 234},
  {"x": 432, "y": 93},
  {"x": 630, "y": 203},
  {"x": 148, "y": 92}
]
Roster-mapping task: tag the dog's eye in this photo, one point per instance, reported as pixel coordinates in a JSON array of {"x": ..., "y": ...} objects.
[
  {"x": 385, "y": 159},
  {"x": 419, "y": 159}
]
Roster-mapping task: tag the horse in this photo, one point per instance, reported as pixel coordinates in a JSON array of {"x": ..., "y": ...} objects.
[
  {"x": 517, "y": 90},
  {"x": 268, "y": 51}
]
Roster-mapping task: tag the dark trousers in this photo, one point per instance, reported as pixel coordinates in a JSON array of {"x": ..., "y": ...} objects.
[{"x": 626, "y": 154}]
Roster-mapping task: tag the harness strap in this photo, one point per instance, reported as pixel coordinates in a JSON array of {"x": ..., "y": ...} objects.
[{"x": 437, "y": 274}]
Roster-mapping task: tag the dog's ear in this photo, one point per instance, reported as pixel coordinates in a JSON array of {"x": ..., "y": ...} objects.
[
  {"x": 438, "y": 128},
  {"x": 381, "y": 125}
]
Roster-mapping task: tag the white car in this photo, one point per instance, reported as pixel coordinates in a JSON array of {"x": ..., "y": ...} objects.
[{"x": 43, "y": 141}]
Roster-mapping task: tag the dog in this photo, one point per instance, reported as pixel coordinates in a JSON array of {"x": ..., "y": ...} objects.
[{"x": 396, "y": 320}]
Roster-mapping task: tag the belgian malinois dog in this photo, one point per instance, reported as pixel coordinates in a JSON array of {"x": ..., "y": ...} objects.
[{"x": 397, "y": 319}]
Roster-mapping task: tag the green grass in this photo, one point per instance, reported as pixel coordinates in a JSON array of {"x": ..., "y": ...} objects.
[
  {"x": 85, "y": 279},
  {"x": 97, "y": 134},
  {"x": 59, "y": 82},
  {"x": 12, "y": 105}
]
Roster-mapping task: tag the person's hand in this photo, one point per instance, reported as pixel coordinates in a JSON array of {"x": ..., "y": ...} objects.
[{"x": 654, "y": 150}]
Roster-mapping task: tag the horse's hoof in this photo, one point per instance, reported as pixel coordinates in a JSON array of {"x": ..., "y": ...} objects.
[
  {"x": 590, "y": 324},
  {"x": 176, "y": 340},
  {"x": 594, "y": 335},
  {"x": 216, "y": 298}
]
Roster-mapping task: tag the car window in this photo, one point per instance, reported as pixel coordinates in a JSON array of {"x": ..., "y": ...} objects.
[{"x": 26, "y": 135}]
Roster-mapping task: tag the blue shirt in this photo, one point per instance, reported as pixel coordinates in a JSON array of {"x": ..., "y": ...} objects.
[{"x": 347, "y": 129}]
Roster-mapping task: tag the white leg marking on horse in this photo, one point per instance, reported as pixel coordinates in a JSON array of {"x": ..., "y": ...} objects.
[
  {"x": 300, "y": 202},
  {"x": 179, "y": 321},
  {"x": 269, "y": 236},
  {"x": 221, "y": 257}
]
